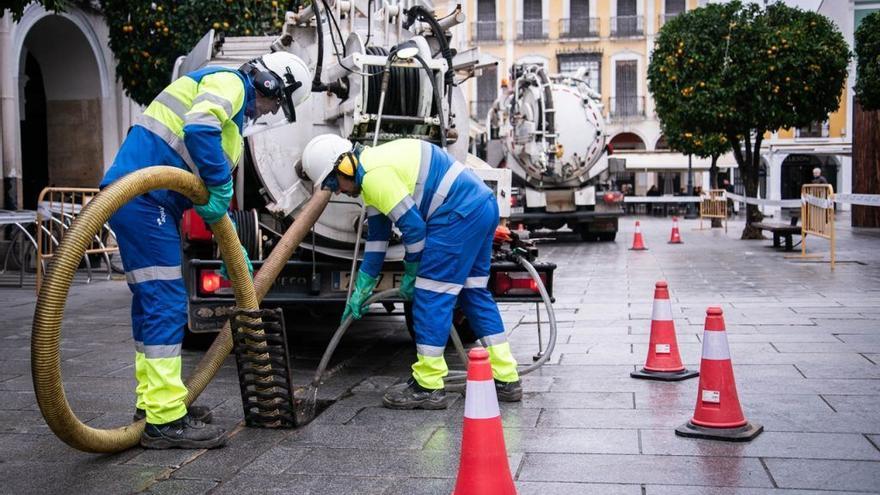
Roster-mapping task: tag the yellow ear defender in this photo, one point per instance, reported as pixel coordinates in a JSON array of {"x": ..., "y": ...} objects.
[{"x": 346, "y": 164}]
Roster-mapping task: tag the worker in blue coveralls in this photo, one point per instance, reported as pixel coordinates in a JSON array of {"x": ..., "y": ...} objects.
[
  {"x": 447, "y": 217},
  {"x": 196, "y": 124}
]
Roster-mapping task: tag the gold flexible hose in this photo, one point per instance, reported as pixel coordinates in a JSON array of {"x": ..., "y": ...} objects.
[{"x": 49, "y": 312}]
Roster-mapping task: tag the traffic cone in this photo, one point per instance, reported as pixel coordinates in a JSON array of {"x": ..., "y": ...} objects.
[
  {"x": 663, "y": 362},
  {"x": 718, "y": 415},
  {"x": 675, "y": 237},
  {"x": 638, "y": 243},
  {"x": 483, "y": 468}
]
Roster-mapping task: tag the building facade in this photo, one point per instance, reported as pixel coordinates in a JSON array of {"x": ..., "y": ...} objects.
[
  {"x": 62, "y": 113},
  {"x": 613, "y": 40}
]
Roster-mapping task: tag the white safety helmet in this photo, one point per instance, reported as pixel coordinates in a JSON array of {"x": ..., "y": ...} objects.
[
  {"x": 321, "y": 155},
  {"x": 281, "y": 75}
]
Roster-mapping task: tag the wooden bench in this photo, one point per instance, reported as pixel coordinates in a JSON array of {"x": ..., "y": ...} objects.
[{"x": 780, "y": 230}]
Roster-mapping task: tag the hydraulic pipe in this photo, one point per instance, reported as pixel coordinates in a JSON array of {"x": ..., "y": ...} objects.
[{"x": 450, "y": 21}]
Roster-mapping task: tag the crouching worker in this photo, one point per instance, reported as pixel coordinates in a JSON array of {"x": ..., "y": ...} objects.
[
  {"x": 447, "y": 216},
  {"x": 195, "y": 124}
]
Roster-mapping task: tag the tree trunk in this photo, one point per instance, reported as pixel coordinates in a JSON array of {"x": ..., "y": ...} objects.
[
  {"x": 753, "y": 214},
  {"x": 713, "y": 181},
  {"x": 748, "y": 160},
  {"x": 866, "y": 165}
]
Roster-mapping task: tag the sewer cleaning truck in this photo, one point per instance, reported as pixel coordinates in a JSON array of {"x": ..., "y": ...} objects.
[
  {"x": 366, "y": 91},
  {"x": 549, "y": 131}
]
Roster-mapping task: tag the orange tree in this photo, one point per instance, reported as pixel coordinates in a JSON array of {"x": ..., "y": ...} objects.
[
  {"x": 742, "y": 71},
  {"x": 868, "y": 62},
  {"x": 147, "y": 36}
]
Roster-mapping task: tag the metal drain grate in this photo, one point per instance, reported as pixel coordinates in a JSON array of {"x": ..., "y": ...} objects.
[{"x": 268, "y": 395}]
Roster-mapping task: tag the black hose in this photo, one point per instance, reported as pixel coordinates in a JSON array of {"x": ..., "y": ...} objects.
[
  {"x": 455, "y": 376},
  {"x": 369, "y": 22},
  {"x": 317, "y": 85},
  {"x": 437, "y": 100}
]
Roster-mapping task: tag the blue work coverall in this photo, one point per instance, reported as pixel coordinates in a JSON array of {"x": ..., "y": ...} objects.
[
  {"x": 447, "y": 217},
  {"x": 194, "y": 124}
]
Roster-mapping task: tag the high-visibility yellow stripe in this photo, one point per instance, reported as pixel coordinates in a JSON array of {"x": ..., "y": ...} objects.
[
  {"x": 184, "y": 89},
  {"x": 225, "y": 85},
  {"x": 140, "y": 373},
  {"x": 503, "y": 363},
  {"x": 429, "y": 371},
  {"x": 165, "y": 392}
]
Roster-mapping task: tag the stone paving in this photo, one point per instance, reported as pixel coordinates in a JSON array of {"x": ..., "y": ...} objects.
[{"x": 805, "y": 344}]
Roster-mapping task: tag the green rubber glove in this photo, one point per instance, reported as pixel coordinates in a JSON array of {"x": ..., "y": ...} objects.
[
  {"x": 408, "y": 284},
  {"x": 247, "y": 259},
  {"x": 363, "y": 289},
  {"x": 218, "y": 202}
]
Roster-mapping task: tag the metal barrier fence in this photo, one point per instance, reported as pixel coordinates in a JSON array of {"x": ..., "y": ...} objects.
[
  {"x": 714, "y": 205},
  {"x": 57, "y": 208},
  {"x": 817, "y": 215}
]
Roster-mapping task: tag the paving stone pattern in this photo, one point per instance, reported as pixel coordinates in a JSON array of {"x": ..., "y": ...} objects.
[{"x": 805, "y": 344}]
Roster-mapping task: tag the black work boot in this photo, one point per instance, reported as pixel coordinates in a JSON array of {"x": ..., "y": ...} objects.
[
  {"x": 509, "y": 391},
  {"x": 200, "y": 413},
  {"x": 185, "y": 433},
  {"x": 411, "y": 395}
]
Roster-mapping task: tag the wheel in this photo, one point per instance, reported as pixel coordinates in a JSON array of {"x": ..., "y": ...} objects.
[
  {"x": 586, "y": 235},
  {"x": 607, "y": 236},
  {"x": 461, "y": 323}
]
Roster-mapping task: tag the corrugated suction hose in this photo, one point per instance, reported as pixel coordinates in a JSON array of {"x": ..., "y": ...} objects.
[{"x": 49, "y": 312}]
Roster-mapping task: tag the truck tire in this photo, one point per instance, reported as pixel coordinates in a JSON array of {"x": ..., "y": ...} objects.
[
  {"x": 607, "y": 236},
  {"x": 462, "y": 325},
  {"x": 586, "y": 235}
]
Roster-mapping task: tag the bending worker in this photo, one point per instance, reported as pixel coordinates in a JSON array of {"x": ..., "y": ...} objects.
[
  {"x": 195, "y": 124},
  {"x": 448, "y": 218}
]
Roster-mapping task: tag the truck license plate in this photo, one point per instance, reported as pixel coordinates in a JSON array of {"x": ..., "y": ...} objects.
[
  {"x": 516, "y": 209},
  {"x": 387, "y": 280}
]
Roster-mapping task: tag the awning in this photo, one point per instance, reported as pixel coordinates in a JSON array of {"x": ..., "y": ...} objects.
[{"x": 666, "y": 160}]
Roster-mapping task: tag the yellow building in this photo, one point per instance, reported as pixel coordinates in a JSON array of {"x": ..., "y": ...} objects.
[{"x": 613, "y": 40}]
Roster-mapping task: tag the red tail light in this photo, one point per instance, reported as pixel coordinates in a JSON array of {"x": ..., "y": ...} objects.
[
  {"x": 516, "y": 283},
  {"x": 612, "y": 197},
  {"x": 210, "y": 281}
]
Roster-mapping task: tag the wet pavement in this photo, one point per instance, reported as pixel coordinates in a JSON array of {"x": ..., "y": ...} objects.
[{"x": 805, "y": 345}]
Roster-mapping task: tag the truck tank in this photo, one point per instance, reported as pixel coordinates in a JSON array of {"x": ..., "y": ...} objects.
[
  {"x": 550, "y": 132},
  {"x": 552, "y": 129}
]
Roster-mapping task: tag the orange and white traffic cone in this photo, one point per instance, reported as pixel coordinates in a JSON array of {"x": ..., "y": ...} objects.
[
  {"x": 483, "y": 468},
  {"x": 718, "y": 415},
  {"x": 638, "y": 243},
  {"x": 675, "y": 237},
  {"x": 663, "y": 362}
]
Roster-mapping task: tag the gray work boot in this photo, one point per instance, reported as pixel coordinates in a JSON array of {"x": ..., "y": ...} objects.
[
  {"x": 200, "y": 413},
  {"x": 184, "y": 433},
  {"x": 509, "y": 391},
  {"x": 411, "y": 395}
]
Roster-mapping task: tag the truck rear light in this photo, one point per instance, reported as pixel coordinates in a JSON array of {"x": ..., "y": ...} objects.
[
  {"x": 194, "y": 228},
  {"x": 612, "y": 197},
  {"x": 516, "y": 283},
  {"x": 210, "y": 281}
]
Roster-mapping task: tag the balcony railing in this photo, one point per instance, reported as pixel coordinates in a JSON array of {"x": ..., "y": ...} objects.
[
  {"x": 627, "y": 107},
  {"x": 487, "y": 30},
  {"x": 532, "y": 29},
  {"x": 627, "y": 26},
  {"x": 585, "y": 27}
]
